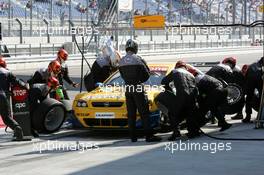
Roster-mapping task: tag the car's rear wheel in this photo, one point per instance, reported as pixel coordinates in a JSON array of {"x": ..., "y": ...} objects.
[
  {"x": 235, "y": 99},
  {"x": 49, "y": 116}
]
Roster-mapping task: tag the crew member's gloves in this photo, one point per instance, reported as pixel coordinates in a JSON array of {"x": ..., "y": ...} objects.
[
  {"x": 75, "y": 84},
  {"x": 27, "y": 86}
]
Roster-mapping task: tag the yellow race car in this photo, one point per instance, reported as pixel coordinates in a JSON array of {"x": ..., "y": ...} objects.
[{"x": 105, "y": 107}]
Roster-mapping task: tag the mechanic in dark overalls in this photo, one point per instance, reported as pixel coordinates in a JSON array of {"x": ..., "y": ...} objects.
[
  {"x": 212, "y": 95},
  {"x": 184, "y": 106},
  {"x": 6, "y": 80},
  {"x": 62, "y": 56},
  {"x": 135, "y": 72},
  {"x": 254, "y": 81},
  {"x": 237, "y": 78},
  {"x": 222, "y": 72}
]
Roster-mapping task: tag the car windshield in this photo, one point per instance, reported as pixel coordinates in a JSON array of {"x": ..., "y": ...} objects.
[{"x": 154, "y": 79}]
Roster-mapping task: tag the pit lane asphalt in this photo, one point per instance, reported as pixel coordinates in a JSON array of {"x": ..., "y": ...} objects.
[{"x": 116, "y": 155}]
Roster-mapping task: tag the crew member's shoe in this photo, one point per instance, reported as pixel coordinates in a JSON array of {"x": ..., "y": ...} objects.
[
  {"x": 213, "y": 120},
  {"x": 175, "y": 135},
  {"x": 35, "y": 133},
  {"x": 225, "y": 126},
  {"x": 183, "y": 126},
  {"x": 192, "y": 135},
  {"x": 153, "y": 138},
  {"x": 247, "y": 119},
  {"x": 18, "y": 133},
  {"x": 239, "y": 116},
  {"x": 133, "y": 139}
]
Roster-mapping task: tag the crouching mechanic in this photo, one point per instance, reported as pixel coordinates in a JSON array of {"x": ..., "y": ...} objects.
[
  {"x": 6, "y": 80},
  {"x": 184, "y": 104},
  {"x": 135, "y": 72},
  {"x": 62, "y": 57},
  {"x": 37, "y": 84},
  {"x": 254, "y": 83},
  {"x": 222, "y": 72},
  {"x": 105, "y": 64},
  {"x": 238, "y": 78},
  {"x": 212, "y": 95}
]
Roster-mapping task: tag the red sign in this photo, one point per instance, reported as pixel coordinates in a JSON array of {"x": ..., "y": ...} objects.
[{"x": 19, "y": 94}]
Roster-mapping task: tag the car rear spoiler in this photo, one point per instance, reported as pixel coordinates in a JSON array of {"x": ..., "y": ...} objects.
[{"x": 204, "y": 64}]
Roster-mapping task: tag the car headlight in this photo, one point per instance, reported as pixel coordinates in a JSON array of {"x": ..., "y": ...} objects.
[{"x": 81, "y": 103}]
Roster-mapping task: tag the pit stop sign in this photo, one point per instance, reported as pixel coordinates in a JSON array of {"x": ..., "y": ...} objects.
[
  {"x": 20, "y": 106},
  {"x": 19, "y": 94}
]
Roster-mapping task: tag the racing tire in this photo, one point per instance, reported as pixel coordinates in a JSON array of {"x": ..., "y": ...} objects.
[
  {"x": 235, "y": 100},
  {"x": 48, "y": 116}
]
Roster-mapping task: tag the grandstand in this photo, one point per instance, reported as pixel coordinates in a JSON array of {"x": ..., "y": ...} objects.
[
  {"x": 82, "y": 12},
  {"x": 199, "y": 11},
  {"x": 41, "y": 9},
  {"x": 58, "y": 14}
]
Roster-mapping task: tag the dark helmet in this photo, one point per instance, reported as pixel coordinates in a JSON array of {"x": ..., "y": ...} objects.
[
  {"x": 180, "y": 64},
  {"x": 230, "y": 60},
  {"x": 132, "y": 45}
]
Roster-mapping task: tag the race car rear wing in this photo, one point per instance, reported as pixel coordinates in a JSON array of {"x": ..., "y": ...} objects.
[
  {"x": 203, "y": 67},
  {"x": 204, "y": 64}
]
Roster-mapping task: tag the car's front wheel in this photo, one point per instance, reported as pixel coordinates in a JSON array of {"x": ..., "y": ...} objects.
[{"x": 49, "y": 116}]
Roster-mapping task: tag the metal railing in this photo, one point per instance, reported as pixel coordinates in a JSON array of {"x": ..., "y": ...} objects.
[
  {"x": 15, "y": 50},
  {"x": 23, "y": 62},
  {"x": 51, "y": 49}
]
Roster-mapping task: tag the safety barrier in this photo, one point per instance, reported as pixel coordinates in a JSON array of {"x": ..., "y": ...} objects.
[{"x": 16, "y": 50}]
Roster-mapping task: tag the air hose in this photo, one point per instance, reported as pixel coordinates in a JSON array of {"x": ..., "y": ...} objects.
[{"x": 231, "y": 139}]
